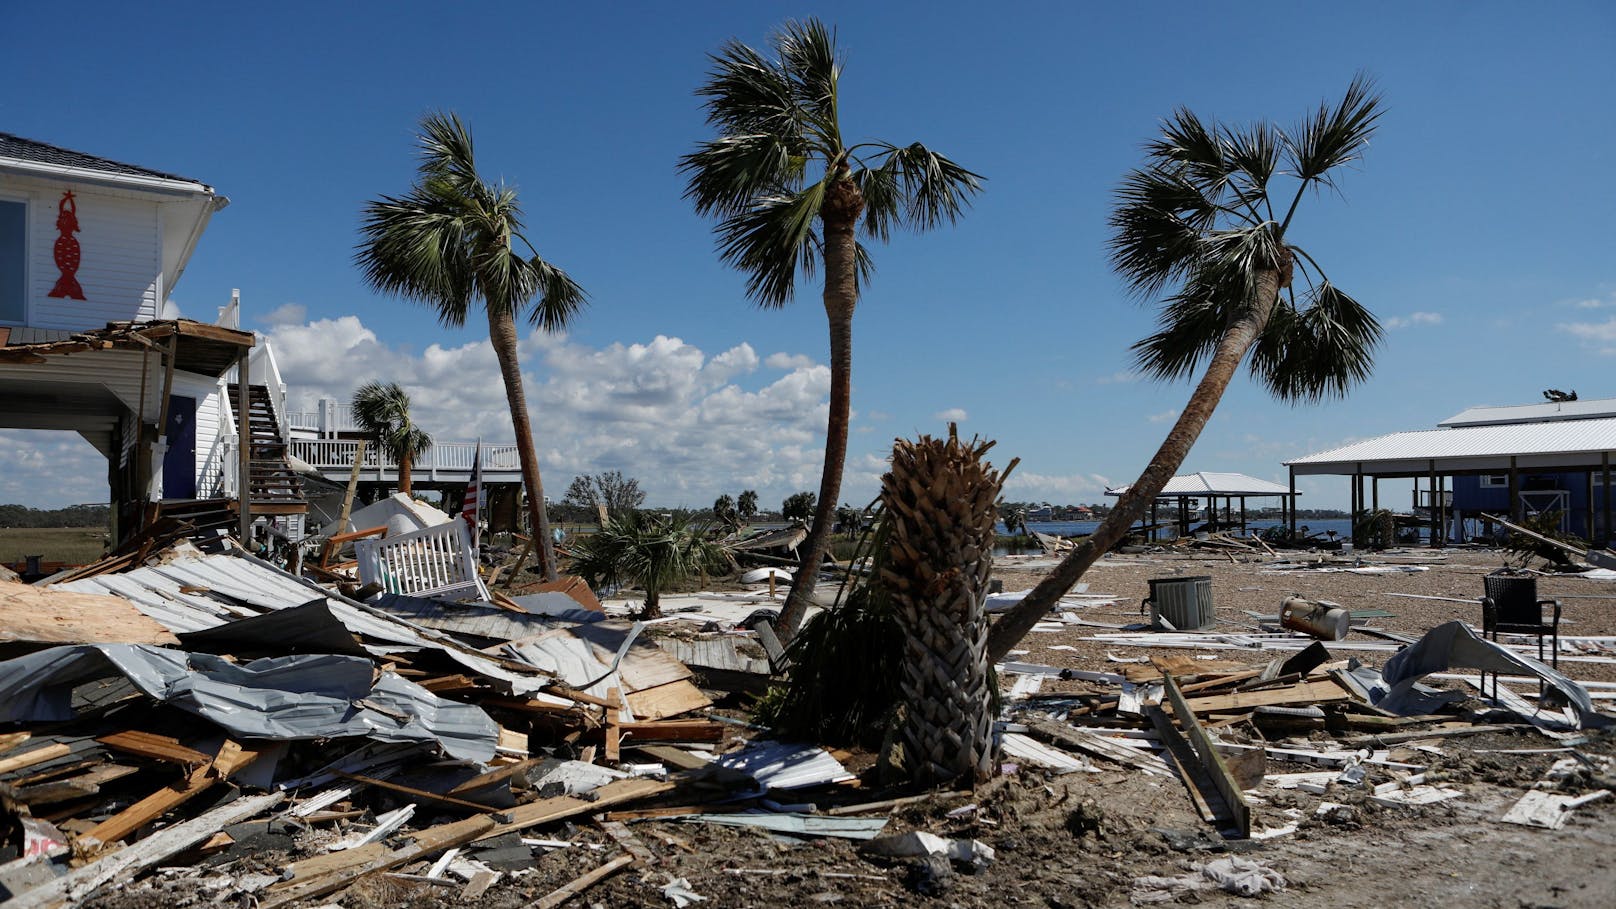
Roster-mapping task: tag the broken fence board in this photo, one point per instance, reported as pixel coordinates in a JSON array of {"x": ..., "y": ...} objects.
[
  {"x": 1207, "y": 751},
  {"x": 562, "y": 894}
]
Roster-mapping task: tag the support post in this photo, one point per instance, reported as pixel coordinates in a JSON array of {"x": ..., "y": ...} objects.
[
  {"x": 1374, "y": 493},
  {"x": 1604, "y": 463},
  {"x": 1432, "y": 509},
  {"x": 1514, "y": 490},
  {"x": 1442, "y": 507},
  {"x": 244, "y": 445},
  {"x": 1292, "y": 524},
  {"x": 1242, "y": 515}
]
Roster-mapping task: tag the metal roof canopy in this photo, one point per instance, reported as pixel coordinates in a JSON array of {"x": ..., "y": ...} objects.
[
  {"x": 1541, "y": 412},
  {"x": 1560, "y": 445},
  {"x": 1207, "y": 483}
]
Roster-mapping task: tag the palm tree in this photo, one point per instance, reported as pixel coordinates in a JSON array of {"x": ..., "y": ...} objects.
[
  {"x": 789, "y": 195},
  {"x": 1205, "y": 226},
  {"x": 633, "y": 547},
  {"x": 450, "y": 241},
  {"x": 382, "y": 410}
]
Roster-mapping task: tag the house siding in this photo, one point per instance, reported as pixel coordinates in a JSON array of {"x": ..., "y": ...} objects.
[{"x": 120, "y": 246}]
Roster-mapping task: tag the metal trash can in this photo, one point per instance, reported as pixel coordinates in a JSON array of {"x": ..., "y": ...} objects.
[{"x": 1181, "y": 604}]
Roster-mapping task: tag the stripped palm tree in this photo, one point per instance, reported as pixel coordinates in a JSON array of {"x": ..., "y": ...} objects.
[
  {"x": 789, "y": 195},
  {"x": 452, "y": 241},
  {"x": 1205, "y": 226},
  {"x": 382, "y": 410},
  {"x": 941, "y": 503}
]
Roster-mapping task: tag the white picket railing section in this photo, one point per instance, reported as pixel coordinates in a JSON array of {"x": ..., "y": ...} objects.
[
  {"x": 435, "y": 562},
  {"x": 338, "y": 454}
]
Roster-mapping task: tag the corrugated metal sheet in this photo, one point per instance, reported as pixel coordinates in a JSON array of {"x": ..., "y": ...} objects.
[
  {"x": 1533, "y": 413},
  {"x": 1207, "y": 483},
  {"x": 1567, "y": 443},
  {"x": 158, "y": 591},
  {"x": 779, "y": 765}
]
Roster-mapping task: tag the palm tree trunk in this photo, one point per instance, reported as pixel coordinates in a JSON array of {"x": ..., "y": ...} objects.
[
  {"x": 405, "y": 462},
  {"x": 502, "y": 333},
  {"x": 940, "y": 497},
  {"x": 1134, "y": 503},
  {"x": 840, "y": 213}
]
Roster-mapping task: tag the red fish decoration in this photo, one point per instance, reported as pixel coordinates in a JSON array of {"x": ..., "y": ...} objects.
[{"x": 67, "y": 249}]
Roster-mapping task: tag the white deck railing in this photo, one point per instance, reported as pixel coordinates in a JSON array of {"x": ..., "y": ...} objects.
[{"x": 338, "y": 454}]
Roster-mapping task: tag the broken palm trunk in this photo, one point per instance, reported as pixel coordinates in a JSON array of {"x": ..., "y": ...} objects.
[{"x": 940, "y": 498}]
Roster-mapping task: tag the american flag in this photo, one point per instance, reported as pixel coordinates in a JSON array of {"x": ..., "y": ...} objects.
[{"x": 472, "y": 507}]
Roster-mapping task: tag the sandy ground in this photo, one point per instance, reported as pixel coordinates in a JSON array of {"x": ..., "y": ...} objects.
[{"x": 1085, "y": 839}]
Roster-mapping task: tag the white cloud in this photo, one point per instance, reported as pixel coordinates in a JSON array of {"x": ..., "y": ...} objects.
[
  {"x": 788, "y": 361},
  {"x": 50, "y": 469},
  {"x": 951, "y": 415},
  {"x": 1163, "y": 417},
  {"x": 286, "y": 314},
  {"x": 1598, "y": 335},
  {"x": 1414, "y": 318},
  {"x": 1609, "y": 302},
  {"x": 1068, "y": 489},
  {"x": 878, "y": 416},
  {"x": 1122, "y": 377},
  {"x": 688, "y": 425}
]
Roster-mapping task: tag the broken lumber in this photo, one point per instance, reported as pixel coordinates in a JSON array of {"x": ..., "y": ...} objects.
[
  {"x": 78, "y": 885},
  {"x": 1222, "y": 779},
  {"x": 562, "y": 894},
  {"x": 231, "y": 758}
]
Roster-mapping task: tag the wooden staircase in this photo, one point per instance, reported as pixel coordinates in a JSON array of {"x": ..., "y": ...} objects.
[{"x": 273, "y": 486}]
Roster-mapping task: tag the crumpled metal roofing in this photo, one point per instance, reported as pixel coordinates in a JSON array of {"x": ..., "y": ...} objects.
[
  {"x": 780, "y": 765},
  {"x": 309, "y": 696},
  {"x": 161, "y": 591}
]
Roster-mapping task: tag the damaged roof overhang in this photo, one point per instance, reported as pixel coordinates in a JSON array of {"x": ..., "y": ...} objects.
[{"x": 201, "y": 348}]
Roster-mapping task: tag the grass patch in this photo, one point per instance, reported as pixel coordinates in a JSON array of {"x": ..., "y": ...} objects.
[{"x": 73, "y": 545}]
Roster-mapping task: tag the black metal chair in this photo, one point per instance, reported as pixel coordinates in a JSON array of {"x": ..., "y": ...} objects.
[{"x": 1511, "y": 606}]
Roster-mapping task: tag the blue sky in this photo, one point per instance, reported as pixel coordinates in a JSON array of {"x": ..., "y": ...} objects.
[{"x": 1479, "y": 227}]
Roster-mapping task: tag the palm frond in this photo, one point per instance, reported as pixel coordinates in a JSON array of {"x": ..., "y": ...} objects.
[
  {"x": 748, "y": 94},
  {"x": 1319, "y": 351},
  {"x": 1331, "y": 137},
  {"x": 382, "y": 411},
  {"x": 1192, "y": 149},
  {"x": 725, "y": 174},
  {"x": 1157, "y": 228},
  {"x": 560, "y": 297},
  {"x": 808, "y": 55},
  {"x": 1253, "y": 153},
  {"x": 767, "y": 242},
  {"x": 1191, "y": 323},
  {"x": 933, "y": 189}
]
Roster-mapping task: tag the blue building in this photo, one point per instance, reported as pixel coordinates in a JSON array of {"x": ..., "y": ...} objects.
[{"x": 1516, "y": 461}]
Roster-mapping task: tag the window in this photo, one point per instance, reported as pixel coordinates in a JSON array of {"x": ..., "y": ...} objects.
[
  {"x": 1495, "y": 481},
  {"x": 13, "y": 259}
]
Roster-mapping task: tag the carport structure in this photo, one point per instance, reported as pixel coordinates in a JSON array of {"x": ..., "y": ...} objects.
[
  {"x": 1181, "y": 490},
  {"x": 1580, "y": 447}
]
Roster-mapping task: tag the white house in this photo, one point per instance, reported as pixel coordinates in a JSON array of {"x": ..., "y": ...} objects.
[{"x": 90, "y": 250}]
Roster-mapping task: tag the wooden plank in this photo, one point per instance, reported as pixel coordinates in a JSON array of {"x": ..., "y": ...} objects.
[
  {"x": 305, "y": 883},
  {"x": 11, "y": 740},
  {"x": 675, "y": 731},
  {"x": 564, "y": 806},
  {"x": 630, "y": 843},
  {"x": 417, "y": 793},
  {"x": 1301, "y": 693},
  {"x": 613, "y": 732},
  {"x": 73, "y": 787},
  {"x": 154, "y": 746},
  {"x": 78, "y": 885},
  {"x": 562, "y": 894},
  {"x": 34, "y": 756},
  {"x": 231, "y": 758},
  {"x": 497, "y": 775},
  {"x": 667, "y": 700},
  {"x": 1096, "y": 745},
  {"x": 1207, "y": 751}
]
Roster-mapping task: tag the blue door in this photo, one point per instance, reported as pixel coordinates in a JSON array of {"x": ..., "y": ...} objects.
[{"x": 179, "y": 464}]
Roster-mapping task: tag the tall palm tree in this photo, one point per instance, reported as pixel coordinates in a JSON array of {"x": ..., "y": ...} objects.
[
  {"x": 451, "y": 241},
  {"x": 1205, "y": 225},
  {"x": 789, "y": 195},
  {"x": 382, "y": 410}
]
